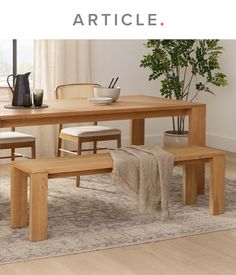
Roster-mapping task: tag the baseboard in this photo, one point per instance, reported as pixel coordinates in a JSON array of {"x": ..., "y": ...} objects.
[
  {"x": 150, "y": 139},
  {"x": 221, "y": 142},
  {"x": 224, "y": 143}
]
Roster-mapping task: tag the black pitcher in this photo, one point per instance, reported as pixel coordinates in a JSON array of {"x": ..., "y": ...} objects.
[{"x": 20, "y": 89}]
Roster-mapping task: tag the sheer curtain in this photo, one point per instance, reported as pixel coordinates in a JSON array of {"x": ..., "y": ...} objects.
[{"x": 57, "y": 62}]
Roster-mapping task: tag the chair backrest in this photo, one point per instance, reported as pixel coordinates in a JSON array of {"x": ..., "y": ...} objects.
[
  {"x": 77, "y": 90},
  {"x": 80, "y": 90}
]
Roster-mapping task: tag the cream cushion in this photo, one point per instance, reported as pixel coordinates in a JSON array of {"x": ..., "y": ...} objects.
[
  {"x": 90, "y": 131},
  {"x": 14, "y": 137}
]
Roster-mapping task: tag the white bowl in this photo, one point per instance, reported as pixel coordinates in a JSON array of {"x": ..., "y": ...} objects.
[
  {"x": 107, "y": 92},
  {"x": 100, "y": 100}
]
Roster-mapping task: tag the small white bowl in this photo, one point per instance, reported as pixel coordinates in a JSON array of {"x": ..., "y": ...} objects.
[
  {"x": 114, "y": 93},
  {"x": 100, "y": 100}
]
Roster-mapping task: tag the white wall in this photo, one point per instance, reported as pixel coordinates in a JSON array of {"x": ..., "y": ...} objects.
[
  {"x": 111, "y": 58},
  {"x": 221, "y": 108}
]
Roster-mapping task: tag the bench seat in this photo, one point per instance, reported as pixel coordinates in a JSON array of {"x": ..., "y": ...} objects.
[{"x": 40, "y": 170}]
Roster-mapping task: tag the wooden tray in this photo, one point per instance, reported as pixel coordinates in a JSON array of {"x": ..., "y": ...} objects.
[{"x": 22, "y": 107}]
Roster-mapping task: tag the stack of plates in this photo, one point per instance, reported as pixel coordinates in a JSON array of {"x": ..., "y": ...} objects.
[{"x": 100, "y": 100}]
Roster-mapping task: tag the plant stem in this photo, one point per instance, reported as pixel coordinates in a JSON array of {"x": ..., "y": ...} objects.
[
  {"x": 182, "y": 122},
  {"x": 196, "y": 93},
  {"x": 195, "y": 96},
  {"x": 188, "y": 86},
  {"x": 173, "y": 123},
  {"x": 178, "y": 119},
  {"x": 185, "y": 72}
]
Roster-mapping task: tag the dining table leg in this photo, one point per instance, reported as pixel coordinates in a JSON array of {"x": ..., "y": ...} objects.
[
  {"x": 137, "y": 131},
  {"x": 197, "y": 136}
]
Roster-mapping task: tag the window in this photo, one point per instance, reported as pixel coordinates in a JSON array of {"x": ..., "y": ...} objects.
[
  {"x": 6, "y": 66},
  {"x": 25, "y": 58},
  {"x": 23, "y": 62}
]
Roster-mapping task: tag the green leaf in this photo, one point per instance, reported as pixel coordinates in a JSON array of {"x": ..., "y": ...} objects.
[{"x": 179, "y": 63}]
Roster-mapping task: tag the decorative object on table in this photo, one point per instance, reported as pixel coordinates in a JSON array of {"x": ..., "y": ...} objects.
[
  {"x": 10, "y": 106},
  {"x": 182, "y": 63},
  {"x": 112, "y": 85},
  {"x": 111, "y": 92},
  {"x": 27, "y": 101},
  {"x": 38, "y": 97},
  {"x": 100, "y": 100},
  {"x": 20, "y": 89}
]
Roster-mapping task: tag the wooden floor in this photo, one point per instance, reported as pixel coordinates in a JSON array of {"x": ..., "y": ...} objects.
[{"x": 213, "y": 253}]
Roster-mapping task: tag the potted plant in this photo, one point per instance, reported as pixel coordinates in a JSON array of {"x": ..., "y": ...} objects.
[{"x": 186, "y": 68}]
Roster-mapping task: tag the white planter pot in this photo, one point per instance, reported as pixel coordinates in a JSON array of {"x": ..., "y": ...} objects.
[{"x": 175, "y": 140}]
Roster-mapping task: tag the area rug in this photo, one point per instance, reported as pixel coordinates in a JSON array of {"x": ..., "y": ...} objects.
[{"x": 98, "y": 215}]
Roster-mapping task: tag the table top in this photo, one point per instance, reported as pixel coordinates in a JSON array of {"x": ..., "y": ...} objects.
[{"x": 85, "y": 111}]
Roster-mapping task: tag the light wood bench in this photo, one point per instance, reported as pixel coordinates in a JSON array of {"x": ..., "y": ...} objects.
[{"x": 40, "y": 170}]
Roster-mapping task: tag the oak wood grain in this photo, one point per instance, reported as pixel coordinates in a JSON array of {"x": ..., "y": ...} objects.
[
  {"x": 217, "y": 165},
  {"x": 38, "y": 218},
  {"x": 80, "y": 110},
  {"x": 197, "y": 136},
  {"x": 104, "y": 161},
  {"x": 18, "y": 198}
]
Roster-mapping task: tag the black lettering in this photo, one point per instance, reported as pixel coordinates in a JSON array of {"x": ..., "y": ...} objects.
[
  {"x": 138, "y": 22},
  {"x": 115, "y": 19},
  {"x": 123, "y": 19},
  {"x": 105, "y": 15},
  {"x": 78, "y": 20},
  {"x": 92, "y": 17},
  {"x": 152, "y": 19}
]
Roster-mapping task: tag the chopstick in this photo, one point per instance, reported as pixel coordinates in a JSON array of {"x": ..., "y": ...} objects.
[
  {"x": 115, "y": 82},
  {"x": 111, "y": 83},
  {"x": 112, "y": 86}
]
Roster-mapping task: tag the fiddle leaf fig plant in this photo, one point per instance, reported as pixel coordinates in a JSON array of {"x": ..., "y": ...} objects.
[{"x": 186, "y": 68}]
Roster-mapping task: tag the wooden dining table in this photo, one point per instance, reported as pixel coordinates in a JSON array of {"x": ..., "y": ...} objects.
[{"x": 133, "y": 108}]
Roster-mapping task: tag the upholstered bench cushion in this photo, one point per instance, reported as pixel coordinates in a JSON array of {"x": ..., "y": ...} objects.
[
  {"x": 14, "y": 137},
  {"x": 90, "y": 131}
]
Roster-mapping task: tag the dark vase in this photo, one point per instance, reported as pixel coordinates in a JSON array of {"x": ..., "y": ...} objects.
[{"x": 20, "y": 89}]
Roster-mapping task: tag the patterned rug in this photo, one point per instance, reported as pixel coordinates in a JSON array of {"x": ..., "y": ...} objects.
[{"x": 98, "y": 216}]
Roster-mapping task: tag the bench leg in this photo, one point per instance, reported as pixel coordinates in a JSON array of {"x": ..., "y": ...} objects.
[
  {"x": 200, "y": 175},
  {"x": 18, "y": 198},
  {"x": 201, "y": 178},
  {"x": 217, "y": 182},
  {"x": 190, "y": 184},
  {"x": 38, "y": 224}
]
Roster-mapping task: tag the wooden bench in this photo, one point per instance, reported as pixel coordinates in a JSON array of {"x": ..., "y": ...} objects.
[{"x": 40, "y": 170}]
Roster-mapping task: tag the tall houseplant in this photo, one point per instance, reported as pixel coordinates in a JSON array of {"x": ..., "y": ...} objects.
[{"x": 187, "y": 67}]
